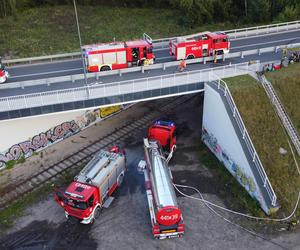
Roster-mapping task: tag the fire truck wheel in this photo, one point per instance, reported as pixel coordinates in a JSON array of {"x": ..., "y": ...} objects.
[
  {"x": 120, "y": 179},
  {"x": 105, "y": 68},
  {"x": 97, "y": 213},
  {"x": 190, "y": 57}
]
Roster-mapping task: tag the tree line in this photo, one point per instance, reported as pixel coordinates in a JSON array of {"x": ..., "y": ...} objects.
[{"x": 193, "y": 12}]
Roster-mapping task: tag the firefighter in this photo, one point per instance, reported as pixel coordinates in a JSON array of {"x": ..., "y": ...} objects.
[
  {"x": 1, "y": 64},
  {"x": 215, "y": 56},
  {"x": 182, "y": 65}
]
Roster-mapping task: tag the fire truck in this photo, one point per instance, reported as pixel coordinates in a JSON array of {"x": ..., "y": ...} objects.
[
  {"x": 4, "y": 75},
  {"x": 165, "y": 132},
  {"x": 166, "y": 217},
  {"x": 92, "y": 188},
  {"x": 118, "y": 55},
  {"x": 205, "y": 44}
]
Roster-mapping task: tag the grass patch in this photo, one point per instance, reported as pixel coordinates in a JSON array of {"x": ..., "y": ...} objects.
[
  {"x": 287, "y": 85},
  {"x": 234, "y": 196},
  {"x": 50, "y": 30},
  {"x": 268, "y": 136},
  {"x": 17, "y": 208},
  {"x": 10, "y": 164}
]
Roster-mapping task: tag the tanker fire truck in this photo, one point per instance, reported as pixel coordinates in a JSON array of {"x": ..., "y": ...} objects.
[
  {"x": 92, "y": 188},
  {"x": 3, "y": 73},
  {"x": 206, "y": 44},
  {"x": 118, "y": 55},
  {"x": 166, "y": 217}
]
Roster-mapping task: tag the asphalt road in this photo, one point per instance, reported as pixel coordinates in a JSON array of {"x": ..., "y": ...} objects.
[{"x": 71, "y": 67}]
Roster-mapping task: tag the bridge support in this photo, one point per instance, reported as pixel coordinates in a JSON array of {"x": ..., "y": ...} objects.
[{"x": 222, "y": 135}]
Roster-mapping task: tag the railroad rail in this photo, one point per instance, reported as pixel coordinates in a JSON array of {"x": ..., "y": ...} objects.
[{"x": 82, "y": 156}]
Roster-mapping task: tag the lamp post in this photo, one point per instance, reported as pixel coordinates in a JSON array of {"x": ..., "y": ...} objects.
[{"x": 80, "y": 44}]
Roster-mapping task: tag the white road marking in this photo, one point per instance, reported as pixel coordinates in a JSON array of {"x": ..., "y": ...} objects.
[
  {"x": 163, "y": 48},
  {"x": 166, "y": 57},
  {"x": 45, "y": 73},
  {"x": 255, "y": 44}
]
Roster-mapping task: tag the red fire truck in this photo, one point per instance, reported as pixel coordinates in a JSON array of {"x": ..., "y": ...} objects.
[
  {"x": 92, "y": 188},
  {"x": 206, "y": 44},
  {"x": 164, "y": 132},
  {"x": 166, "y": 217},
  {"x": 118, "y": 55}
]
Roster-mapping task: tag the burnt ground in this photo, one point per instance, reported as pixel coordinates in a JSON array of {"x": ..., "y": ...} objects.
[{"x": 126, "y": 223}]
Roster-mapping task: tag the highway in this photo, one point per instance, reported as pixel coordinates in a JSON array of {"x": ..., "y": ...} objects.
[{"x": 71, "y": 67}]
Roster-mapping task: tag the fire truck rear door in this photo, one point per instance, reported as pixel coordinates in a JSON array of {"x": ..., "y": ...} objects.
[
  {"x": 59, "y": 197},
  {"x": 181, "y": 51},
  {"x": 205, "y": 50}
]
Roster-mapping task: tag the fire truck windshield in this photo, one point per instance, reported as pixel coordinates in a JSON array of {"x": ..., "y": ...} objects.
[{"x": 76, "y": 204}]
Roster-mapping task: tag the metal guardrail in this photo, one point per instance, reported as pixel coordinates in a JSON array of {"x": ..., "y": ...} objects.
[
  {"x": 287, "y": 122},
  {"x": 163, "y": 42},
  {"x": 248, "y": 142},
  {"x": 96, "y": 76},
  {"x": 118, "y": 88}
]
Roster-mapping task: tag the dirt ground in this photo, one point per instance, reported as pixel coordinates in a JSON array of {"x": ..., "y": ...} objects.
[{"x": 126, "y": 223}]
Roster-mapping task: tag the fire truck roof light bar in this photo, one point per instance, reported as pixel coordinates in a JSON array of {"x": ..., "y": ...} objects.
[
  {"x": 74, "y": 195},
  {"x": 165, "y": 123}
]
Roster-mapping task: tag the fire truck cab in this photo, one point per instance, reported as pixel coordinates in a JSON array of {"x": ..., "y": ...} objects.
[
  {"x": 164, "y": 132},
  {"x": 206, "y": 44},
  {"x": 118, "y": 55},
  {"x": 92, "y": 188}
]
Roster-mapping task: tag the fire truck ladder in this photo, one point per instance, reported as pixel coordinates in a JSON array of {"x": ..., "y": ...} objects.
[{"x": 286, "y": 121}]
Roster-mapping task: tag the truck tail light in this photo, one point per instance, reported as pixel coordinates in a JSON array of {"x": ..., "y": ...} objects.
[
  {"x": 180, "y": 227},
  {"x": 155, "y": 229}
]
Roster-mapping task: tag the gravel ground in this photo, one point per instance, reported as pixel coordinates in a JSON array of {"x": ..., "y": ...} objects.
[{"x": 126, "y": 224}]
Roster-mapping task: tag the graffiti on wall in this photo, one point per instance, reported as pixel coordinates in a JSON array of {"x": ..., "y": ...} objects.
[
  {"x": 55, "y": 134},
  {"x": 104, "y": 112},
  {"x": 235, "y": 169}
]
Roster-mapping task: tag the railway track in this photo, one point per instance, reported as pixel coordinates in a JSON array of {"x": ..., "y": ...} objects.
[{"x": 81, "y": 157}]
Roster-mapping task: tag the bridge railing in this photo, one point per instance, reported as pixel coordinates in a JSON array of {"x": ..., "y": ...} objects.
[
  {"x": 246, "y": 137},
  {"x": 283, "y": 115},
  {"x": 164, "y": 42},
  {"x": 120, "y": 88}
]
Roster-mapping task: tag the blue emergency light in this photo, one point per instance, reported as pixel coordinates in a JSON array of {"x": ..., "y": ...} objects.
[{"x": 164, "y": 123}]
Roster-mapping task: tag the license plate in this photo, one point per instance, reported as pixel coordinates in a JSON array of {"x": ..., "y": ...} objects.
[{"x": 169, "y": 231}]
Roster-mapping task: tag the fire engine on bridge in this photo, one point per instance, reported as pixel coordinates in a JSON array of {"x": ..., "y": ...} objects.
[
  {"x": 205, "y": 44},
  {"x": 92, "y": 188},
  {"x": 166, "y": 217},
  {"x": 118, "y": 55}
]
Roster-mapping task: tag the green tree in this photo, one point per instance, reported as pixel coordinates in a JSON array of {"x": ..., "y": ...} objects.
[{"x": 7, "y": 7}]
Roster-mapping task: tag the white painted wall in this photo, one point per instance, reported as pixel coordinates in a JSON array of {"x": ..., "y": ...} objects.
[
  {"x": 21, "y": 129},
  {"x": 217, "y": 122},
  {"x": 216, "y": 119}
]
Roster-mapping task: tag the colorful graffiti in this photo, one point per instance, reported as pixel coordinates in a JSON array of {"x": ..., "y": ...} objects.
[
  {"x": 55, "y": 134},
  {"x": 39, "y": 141},
  {"x": 104, "y": 112},
  {"x": 246, "y": 181}
]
